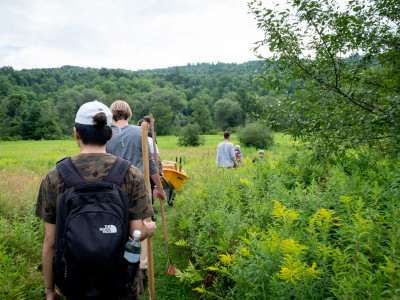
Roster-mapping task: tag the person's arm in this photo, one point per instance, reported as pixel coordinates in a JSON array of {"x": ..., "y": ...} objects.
[
  {"x": 159, "y": 163},
  {"x": 233, "y": 157},
  {"x": 47, "y": 260},
  {"x": 146, "y": 228},
  {"x": 160, "y": 191},
  {"x": 241, "y": 159},
  {"x": 218, "y": 158}
]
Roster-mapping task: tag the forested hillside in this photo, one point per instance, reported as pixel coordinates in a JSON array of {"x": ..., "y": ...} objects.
[{"x": 41, "y": 103}]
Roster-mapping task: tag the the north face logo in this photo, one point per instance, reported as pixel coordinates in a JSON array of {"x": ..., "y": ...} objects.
[{"x": 108, "y": 229}]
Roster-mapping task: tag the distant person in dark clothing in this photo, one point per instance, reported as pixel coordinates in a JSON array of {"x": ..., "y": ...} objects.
[{"x": 260, "y": 156}]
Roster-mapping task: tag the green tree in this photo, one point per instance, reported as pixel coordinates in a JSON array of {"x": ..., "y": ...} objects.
[
  {"x": 191, "y": 136},
  {"x": 256, "y": 135},
  {"x": 201, "y": 115},
  {"x": 29, "y": 124},
  {"x": 338, "y": 65},
  {"x": 227, "y": 113},
  {"x": 14, "y": 111},
  {"x": 163, "y": 118},
  {"x": 48, "y": 122},
  {"x": 108, "y": 87},
  {"x": 172, "y": 98}
]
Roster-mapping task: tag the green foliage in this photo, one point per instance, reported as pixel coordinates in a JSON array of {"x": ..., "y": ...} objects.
[
  {"x": 336, "y": 65},
  {"x": 190, "y": 91},
  {"x": 190, "y": 136},
  {"x": 201, "y": 115},
  {"x": 20, "y": 254},
  {"x": 293, "y": 227},
  {"x": 164, "y": 116},
  {"x": 256, "y": 135},
  {"x": 227, "y": 113}
]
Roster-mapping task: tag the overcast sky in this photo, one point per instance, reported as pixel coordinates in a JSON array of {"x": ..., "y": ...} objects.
[{"x": 128, "y": 34}]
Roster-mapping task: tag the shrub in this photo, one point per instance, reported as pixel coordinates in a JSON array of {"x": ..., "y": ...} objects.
[
  {"x": 190, "y": 136},
  {"x": 256, "y": 135}
]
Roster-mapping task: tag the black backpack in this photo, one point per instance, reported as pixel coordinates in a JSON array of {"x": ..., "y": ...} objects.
[{"x": 91, "y": 231}]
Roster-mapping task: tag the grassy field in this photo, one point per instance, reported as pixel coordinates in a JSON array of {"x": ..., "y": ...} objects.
[
  {"x": 290, "y": 226},
  {"x": 23, "y": 165}
]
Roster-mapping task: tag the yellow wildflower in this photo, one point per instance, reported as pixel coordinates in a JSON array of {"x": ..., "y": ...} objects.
[
  {"x": 226, "y": 259},
  {"x": 324, "y": 219},
  {"x": 244, "y": 181},
  {"x": 280, "y": 212},
  {"x": 310, "y": 271},
  {"x": 211, "y": 269},
  {"x": 291, "y": 270},
  {"x": 200, "y": 289},
  {"x": 346, "y": 199},
  {"x": 292, "y": 246},
  {"x": 245, "y": 252},
  {"x": 289, "y": 275}
]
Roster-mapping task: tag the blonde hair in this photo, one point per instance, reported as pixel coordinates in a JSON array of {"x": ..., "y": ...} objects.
[
  {"x": 120, "y": 110},
  {"x": 237, "y": 148}
]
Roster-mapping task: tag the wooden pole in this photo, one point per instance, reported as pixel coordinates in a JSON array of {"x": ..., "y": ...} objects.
[
  {"x": 146, "y": 174},
  {"x": 153, "y": 134}
]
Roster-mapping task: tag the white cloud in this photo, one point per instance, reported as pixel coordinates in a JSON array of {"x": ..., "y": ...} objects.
[{"x": 129, "y": 34}]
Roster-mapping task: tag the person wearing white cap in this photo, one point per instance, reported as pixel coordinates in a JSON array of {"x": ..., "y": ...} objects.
[
  {"x": 127, "y": 143},
  {"x": 92, "y": 131}
]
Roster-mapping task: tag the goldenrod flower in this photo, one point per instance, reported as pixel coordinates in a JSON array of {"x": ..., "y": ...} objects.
[
  {"x": 293, "y": 270},
  {"x": 280, "y": 212},
  {"x": 289, "y": 274},
  {"x": 245, "y": 252},
  {"x": 346, "y": 199},
  {"x": 324, "y": 219},
  {"x": 226, "y": 259},
  {"x": 292, "y": 246},
  {"x": 310, "y": 271},
  {"x": 200, "y": 289}
]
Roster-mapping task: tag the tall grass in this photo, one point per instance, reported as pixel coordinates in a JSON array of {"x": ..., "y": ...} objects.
[
  {"x": 23, "y": 165},
  {"x": 293, "y": 227}
]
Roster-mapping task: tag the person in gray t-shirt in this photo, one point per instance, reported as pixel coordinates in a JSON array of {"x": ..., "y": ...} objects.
[
  {"x": 225, "y": 152},
  {"x": 127, "y": 143}
]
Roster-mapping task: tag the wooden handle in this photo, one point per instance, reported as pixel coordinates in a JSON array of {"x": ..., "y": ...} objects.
[
  {"x": 146, "y": 174},
  {"x": 164, "y": 223}
]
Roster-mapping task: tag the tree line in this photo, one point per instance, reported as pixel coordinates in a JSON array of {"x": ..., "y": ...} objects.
[{"x": 41, "y": 103}]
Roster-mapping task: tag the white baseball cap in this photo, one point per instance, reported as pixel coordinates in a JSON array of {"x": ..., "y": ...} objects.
[{"x": 88, "y": 110}]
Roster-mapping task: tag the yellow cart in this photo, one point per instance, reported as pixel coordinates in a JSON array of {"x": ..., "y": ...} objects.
[{"x": 173, "y": 179}]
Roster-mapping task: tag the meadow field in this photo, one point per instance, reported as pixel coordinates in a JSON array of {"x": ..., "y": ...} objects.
[{"x": 289, "y": 226}]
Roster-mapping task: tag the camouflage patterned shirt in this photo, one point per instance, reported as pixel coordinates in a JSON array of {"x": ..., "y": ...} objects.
[{"x": 94, "y": 167}]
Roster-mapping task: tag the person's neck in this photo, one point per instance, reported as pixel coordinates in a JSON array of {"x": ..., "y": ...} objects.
[
  {"x": 92, "y": 149},
  {"x": 122, "y": 123},
  {"x": 226, "y": 140}
]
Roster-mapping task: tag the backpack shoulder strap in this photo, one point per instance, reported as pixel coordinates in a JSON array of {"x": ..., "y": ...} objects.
[
  {"x": 118, "y": 171},
  {"x": 69, "y": 173}
]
